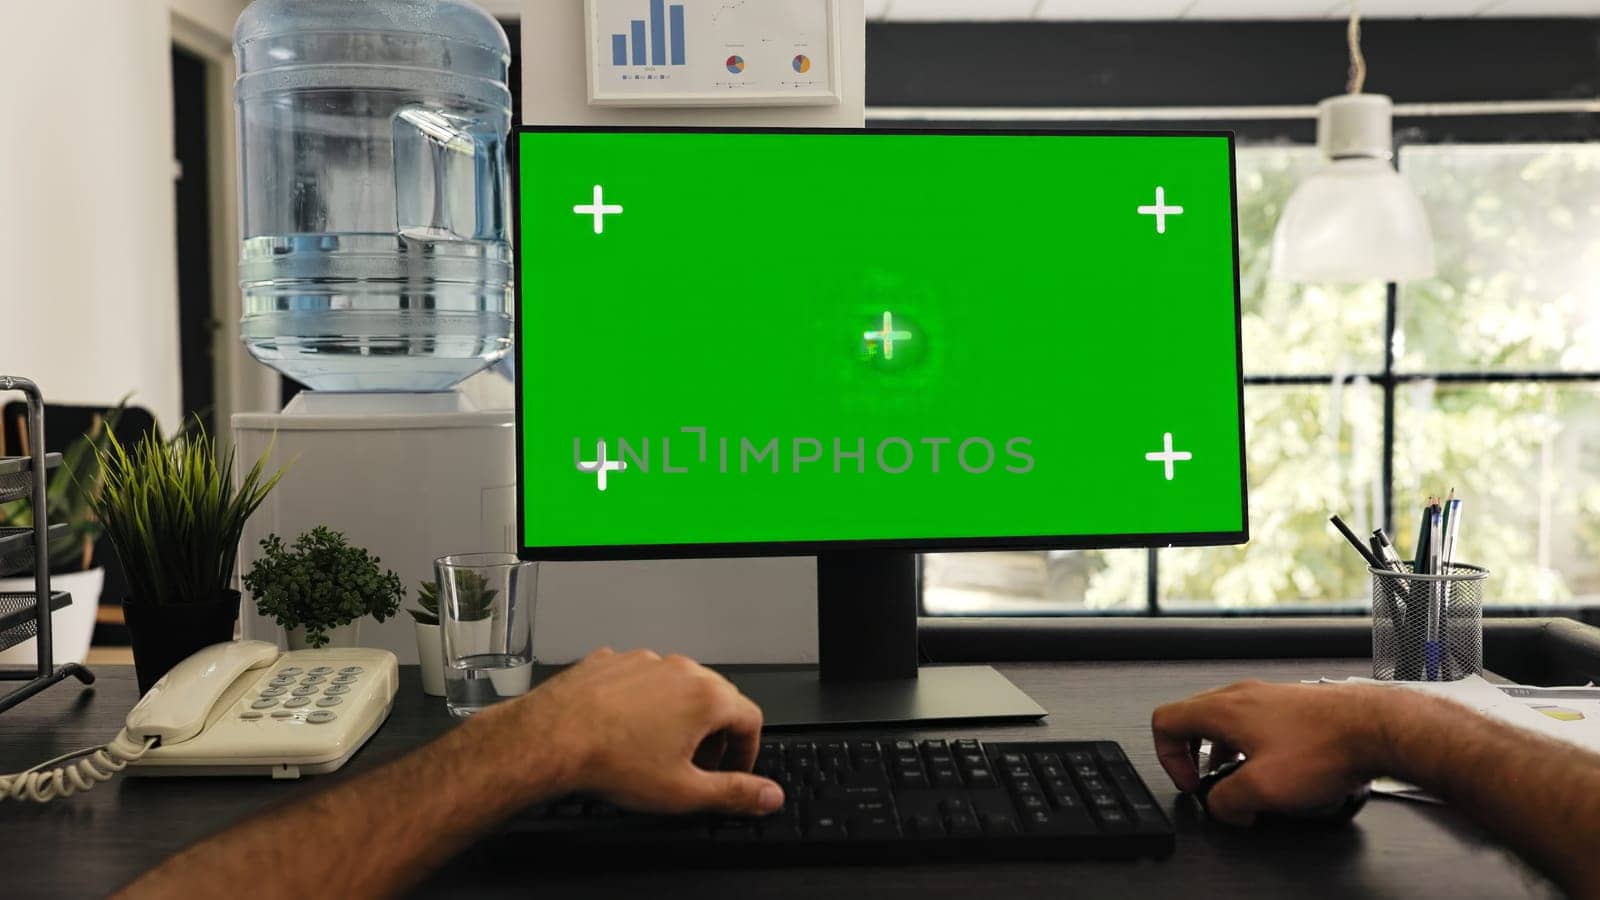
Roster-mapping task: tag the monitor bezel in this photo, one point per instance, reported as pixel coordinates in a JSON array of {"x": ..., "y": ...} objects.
[{"x": 601, "y": 552}]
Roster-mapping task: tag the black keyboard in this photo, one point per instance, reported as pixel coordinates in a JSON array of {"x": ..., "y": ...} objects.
[{"x": 885, "y": 801}]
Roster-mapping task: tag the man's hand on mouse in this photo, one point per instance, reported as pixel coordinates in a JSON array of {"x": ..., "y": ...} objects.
[
  {"x": 1308, "y": 746},
  {"x": 650, "y": 733}
]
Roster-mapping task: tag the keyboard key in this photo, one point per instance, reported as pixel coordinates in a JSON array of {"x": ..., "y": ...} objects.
[
  {"x": 1114, "y": 820},
  {"x": 999, "y": 823},
  {"x": 963, "y": 824},
  {"x": 781, "y": 830},
  {"x": 922, "y": 825},
  {"x": 880, "y": 826},
  {"x": 853, "y": 793},
  {"x": 910, "y": 778},
  {"x": 981, "y": 778},
  {"x": 1032, "y": 802},
  {"x": 734, "y": 830},
  {"x": 945, "y": 777},
  {"x": 1103, "y": 799},
  {"x": 825, "y": 828}
]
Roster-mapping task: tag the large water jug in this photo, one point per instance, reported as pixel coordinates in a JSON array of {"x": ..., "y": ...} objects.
[{"x": 376, "y": 251}]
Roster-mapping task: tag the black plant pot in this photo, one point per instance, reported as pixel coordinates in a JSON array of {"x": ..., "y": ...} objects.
[{"x": 165, "y": 635}]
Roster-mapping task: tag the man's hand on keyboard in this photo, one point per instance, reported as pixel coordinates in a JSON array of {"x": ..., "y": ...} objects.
[{"x": 652, "y": 734}]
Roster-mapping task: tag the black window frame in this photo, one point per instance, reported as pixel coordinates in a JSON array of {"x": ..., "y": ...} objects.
[{"x": 1083, "y": 66}]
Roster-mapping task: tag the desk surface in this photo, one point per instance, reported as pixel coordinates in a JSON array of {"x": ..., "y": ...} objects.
[{"x": 90, "y": 844}]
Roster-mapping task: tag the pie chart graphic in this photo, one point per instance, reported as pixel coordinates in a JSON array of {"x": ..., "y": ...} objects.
[
  {"x": 802, "y": 64},
  {"x": 736, "y": 64}
]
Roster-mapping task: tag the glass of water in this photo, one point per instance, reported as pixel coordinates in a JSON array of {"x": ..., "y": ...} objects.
[{"x": 486, "y": 603}]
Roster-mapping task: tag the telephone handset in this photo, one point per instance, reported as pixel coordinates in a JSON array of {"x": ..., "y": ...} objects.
[{"x": 236, "y": 708}]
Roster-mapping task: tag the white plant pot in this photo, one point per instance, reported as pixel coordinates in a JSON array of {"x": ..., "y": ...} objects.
[
  {"x": 345, "y": 635},
  {"x": 430, "y": 656},
  {"x": 71, "y": 628}
]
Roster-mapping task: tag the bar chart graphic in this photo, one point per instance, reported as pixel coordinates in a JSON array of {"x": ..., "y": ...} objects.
[
  {"x": 664, "y": 45},
  {"x": 712, "y": 52}
]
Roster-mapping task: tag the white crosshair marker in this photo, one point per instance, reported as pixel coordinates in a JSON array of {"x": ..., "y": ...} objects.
[
  {"x": 599, "y": 209},
  {"x": 1160, "y": 210},
  {"x": 600, "y": 465},
  {"x": 888, "y": 335},
  {"x": 1168, "y": 456}
]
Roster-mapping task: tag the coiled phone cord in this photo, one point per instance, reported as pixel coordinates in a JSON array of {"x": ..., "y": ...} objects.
[{"x": 98, "y": 764}]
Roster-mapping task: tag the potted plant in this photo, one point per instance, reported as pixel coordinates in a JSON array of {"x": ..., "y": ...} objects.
[
  {"x": 67, "y": 501},
  {"x": 321, "y": 588},
  {"x": 476, "y": 602},
  {"x": 174, "y": 516}
]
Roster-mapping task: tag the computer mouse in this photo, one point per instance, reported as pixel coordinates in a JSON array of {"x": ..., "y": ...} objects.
[{"x": 1332, "y": 815}]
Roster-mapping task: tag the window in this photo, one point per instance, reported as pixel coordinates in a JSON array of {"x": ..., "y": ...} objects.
[{"x": 1493, "y": 382}]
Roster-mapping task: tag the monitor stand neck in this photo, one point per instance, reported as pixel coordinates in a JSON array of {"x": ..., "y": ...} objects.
[
  {"x": 867, "y": 649},
  {"x": 867, "y": 615}
]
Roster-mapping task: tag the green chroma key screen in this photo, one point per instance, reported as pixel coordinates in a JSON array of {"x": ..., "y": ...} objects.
[{"x": 758, "y": 341}]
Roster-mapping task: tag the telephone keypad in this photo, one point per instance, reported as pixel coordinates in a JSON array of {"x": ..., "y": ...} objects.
[
  {"x": 320, "y": 716},
  {"x": 298, "y": 702},
  {"x": 351, "y": 670},
  {"x": 306, "y": 690},
  {"x": 282, "y": 714},
  {"x": 344, "y": 679},
  {"x": 264, "y": 703},
  {"x": 320, "y": 670},
  {"x": 289, "y": 671},
  {"x": 328, "y": 701},
  {"x": 274, "y": 692},
  {"x": 312, "y": 679},
  {"x": 335, "y": 690},
  {"x": 249, "y": 714}
]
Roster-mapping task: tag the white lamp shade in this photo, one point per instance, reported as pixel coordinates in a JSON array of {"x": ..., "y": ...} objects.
[{"x": 1354, "y": 220}]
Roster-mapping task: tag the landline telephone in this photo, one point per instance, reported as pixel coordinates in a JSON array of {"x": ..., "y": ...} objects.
[{"x": 236, "y": 708}]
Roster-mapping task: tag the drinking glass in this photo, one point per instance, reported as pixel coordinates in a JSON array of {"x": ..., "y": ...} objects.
[{"x": 486, "y": 605}]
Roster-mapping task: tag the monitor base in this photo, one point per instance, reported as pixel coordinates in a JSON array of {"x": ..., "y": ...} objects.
[{"x": 795, "y": 698}]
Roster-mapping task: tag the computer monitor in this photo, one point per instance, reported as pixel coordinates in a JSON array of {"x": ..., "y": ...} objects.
[{"x": 862, "y": 344}]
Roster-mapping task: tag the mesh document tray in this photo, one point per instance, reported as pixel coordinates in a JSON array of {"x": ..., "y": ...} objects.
[
  {"x": 18, "y": 619},
  {"x": 16, "y": 548},
  {"x": 16, "y": 475}
]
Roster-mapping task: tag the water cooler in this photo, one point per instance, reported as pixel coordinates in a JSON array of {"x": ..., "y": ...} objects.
[{"x": 376, "y": 269}]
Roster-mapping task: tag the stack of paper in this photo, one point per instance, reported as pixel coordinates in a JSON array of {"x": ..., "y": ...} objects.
[{"x": 1570, "y": 714}]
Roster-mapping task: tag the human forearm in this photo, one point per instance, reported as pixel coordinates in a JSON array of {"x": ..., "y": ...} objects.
[
  {"x": 1539, "y": 796},
  {"x": 377, "y": 833}
]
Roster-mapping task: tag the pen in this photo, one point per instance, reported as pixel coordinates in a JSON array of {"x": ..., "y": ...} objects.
[
  {"x": 1431, "y": 647},
  {"x": 1452, "y": 529},
  {"x": 1384, "y": 548},
  {"x": 1355, "y": 542}
]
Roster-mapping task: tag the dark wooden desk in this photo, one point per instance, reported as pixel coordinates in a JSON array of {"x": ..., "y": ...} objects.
[{"x": 90, "y": 844}]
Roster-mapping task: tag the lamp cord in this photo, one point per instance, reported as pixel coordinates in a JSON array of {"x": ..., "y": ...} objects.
[
  {"x": 98, "y": 764},
  {"x": 1358, "y": 62}
]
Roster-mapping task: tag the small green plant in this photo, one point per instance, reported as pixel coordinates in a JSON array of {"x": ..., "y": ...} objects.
[
  {"x": 321, "y": 583},
  {"x": 173, "y": 515},
  {"x": 477, "y": 599}
]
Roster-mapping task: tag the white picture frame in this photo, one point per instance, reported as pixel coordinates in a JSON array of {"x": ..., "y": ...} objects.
[{"x": 620, "y": 74}]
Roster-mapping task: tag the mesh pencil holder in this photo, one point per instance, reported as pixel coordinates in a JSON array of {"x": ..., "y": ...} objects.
[{"x": 1427, "y": 627}]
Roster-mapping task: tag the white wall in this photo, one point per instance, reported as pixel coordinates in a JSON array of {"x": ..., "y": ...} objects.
[
  {"x": 88, "y": 300},
  {"x": 758, "y": 610},
  {"x": 88, "y": 268}
]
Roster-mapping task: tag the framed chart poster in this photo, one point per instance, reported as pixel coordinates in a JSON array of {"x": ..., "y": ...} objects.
[{"x": 712, "y": 52}]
